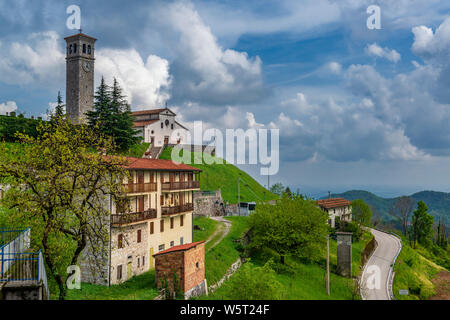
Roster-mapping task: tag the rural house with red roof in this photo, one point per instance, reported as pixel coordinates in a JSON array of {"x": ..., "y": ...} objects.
[
  {"x": 157, "y": 217},
  {"x": 336, "y": 207}
]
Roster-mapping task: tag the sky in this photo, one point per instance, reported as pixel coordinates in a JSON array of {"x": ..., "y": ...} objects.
[{"x": 356, "y": 108}]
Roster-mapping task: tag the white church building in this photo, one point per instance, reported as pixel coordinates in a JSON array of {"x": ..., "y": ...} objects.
[{"x": 159, "y": 127}]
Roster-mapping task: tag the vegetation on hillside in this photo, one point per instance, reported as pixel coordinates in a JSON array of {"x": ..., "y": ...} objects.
[
  {"x": 225, "y": 177},
  {"x": 54, "y": 187},
  {"x": 437, "y": 202},
  {"x": 141, "y": 287}
]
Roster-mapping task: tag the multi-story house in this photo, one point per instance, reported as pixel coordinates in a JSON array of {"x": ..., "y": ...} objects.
[
  {"x": 336, "y": 207},
  {"x": 159, "y": 216}
]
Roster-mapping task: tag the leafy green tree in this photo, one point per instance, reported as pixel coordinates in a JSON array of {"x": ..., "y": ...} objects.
[
  {"x": 293, "y": 226},
  {"x": 60, "y": 189},
  {"x": 362, "y": 214},
  {"x": 255, "y": 283},
  {"x": 422, "y": 225},
  {"x": 277, "y": 188}
]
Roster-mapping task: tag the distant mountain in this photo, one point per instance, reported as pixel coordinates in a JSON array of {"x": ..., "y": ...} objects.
[{"x": 438, "y": 202}]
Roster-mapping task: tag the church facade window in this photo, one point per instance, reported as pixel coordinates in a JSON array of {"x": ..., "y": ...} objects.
[
  {"x": 84, "y": 47},
  {"x": 89, "y": 49},
  {"x": 70, "y": 49},
  {"x": 74, "y": 48}
]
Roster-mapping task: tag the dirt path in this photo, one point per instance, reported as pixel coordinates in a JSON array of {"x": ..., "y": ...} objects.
[
  {"x": 442, "y": 284},
  {"x": 223, "y": 229}
]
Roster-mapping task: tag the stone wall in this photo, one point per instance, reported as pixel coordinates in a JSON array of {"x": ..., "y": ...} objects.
[
  {"x": 194, "y": 267},
  {"x": 166, "y": 265},
  {"x": 22, "y": 290},
  {"x": 205, "y": 203},
  {"x": 133, "y": 254}
]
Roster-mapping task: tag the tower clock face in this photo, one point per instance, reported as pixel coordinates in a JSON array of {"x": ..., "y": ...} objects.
[{"x": 86, "y": 66}]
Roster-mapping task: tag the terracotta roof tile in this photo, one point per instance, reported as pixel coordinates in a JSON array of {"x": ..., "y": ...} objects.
[
  {"x": 157, "y": 164},
  {"x": 143, "y": 123},
  {"x": 333, "y": 203},
  {"x": 181, "y": 247},
  {"x": 152, "y": 111}
]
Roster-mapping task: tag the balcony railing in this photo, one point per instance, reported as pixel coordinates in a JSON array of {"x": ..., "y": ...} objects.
[
  {"x": 166, "y": 211},
  {"x": 181, "y": 185},
  {"x": 125, "y": 218},
  {"x": 140, "y": 187}
]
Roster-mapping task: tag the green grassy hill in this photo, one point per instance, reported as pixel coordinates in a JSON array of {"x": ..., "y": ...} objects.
[{"x": 225, "y": 176}]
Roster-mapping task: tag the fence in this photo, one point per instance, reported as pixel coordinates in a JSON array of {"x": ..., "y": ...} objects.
[
  {"x": 18, "y": 265},
  {"x": 12, "y": 242}
]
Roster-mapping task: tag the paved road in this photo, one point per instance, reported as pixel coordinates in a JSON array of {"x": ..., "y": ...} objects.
[{"x": 377, "y": 271}]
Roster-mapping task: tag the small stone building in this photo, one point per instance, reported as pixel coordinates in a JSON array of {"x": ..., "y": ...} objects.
[{"x": 187, "y": 261}]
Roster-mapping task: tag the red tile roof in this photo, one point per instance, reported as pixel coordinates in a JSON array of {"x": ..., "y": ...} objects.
[
  {"x": 333, "y": 203},
  {"x": 181, "y": 247},
  {"x": 157, "y": 164},
  {"x": 143, "y": 123},
  {"x": 143, "y": 112}
]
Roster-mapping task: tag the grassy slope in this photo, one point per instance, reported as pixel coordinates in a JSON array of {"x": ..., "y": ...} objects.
[
  {"x": 414, "y": 272},
  {"x": 207, "y": 225},
  {"x": 140, "y": 287},
  {"x": 225, "y": 177},
  {"x": 223, "y": 255},
  {"x": 306, "y": 280}
]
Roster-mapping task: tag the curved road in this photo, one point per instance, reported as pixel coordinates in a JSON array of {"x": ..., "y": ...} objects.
[{"x": 375, "y": 280}]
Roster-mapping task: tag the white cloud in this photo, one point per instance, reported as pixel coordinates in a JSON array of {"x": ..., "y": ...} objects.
[
  {"x": 204, "y": 71},
  {"x": 145, "y": 84},
  {"x": 40, "y": 60},
  {"x": 7, "y": 106},
  {"x": 377, "y": 51}
]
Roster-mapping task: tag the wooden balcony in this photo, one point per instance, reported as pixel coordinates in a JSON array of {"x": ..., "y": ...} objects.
[
  {"x": 140, "y": 187},
  {"x": 181, "y": 185},
  {"x": 126, "y": 218},
  {"x": 167, "y": 211}
]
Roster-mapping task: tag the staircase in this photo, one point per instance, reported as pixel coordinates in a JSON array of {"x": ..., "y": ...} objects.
[{"x": 153, "y": 152}]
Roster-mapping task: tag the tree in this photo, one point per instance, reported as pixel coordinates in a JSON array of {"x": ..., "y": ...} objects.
[
  {"x": 60, "y": 190},
  {"x": 122, "y": 120},
  {"x": 361, "y": 212},
  {"x": 112, "y": 117},
  {"x": 59, "y": 110},
  {"x": 441, "y": 239},
  {"x": 255, "y": 283},
  {"x": 277, "y": 188},
  {"x": 293, "y": 226},
  {"x": 422, "y": 225},
  {"x": 402, "y": 210},
  {"x": 288, "y": 192}
]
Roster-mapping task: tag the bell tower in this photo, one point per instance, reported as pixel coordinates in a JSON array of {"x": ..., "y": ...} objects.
[{"x": 79, "y": 76}]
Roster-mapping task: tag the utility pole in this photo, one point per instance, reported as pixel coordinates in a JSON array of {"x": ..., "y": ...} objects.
[
  {"x": 328, "y": 264},
  {"x": 268, "y": 182},
  {"x": 239, "y": 196}
]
